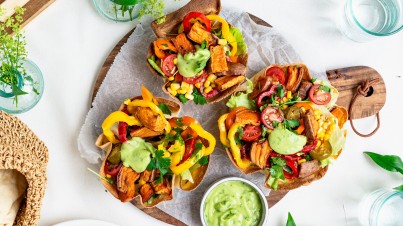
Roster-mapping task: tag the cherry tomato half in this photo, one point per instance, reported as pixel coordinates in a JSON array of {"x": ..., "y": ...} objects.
[
  {"x": 318, "y": 96},
  {"x": 168, "y": 66},
  {"x": 277, "y": 74},
  {"x": 251, "y": 133},
  {"x": 195, "y": 79},
  {"x": 211, "y": 94},
  {"x": 270, "y": 114},
  {"x": 112, "y": 169}
]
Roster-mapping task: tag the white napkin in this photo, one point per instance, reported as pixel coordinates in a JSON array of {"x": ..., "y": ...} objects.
[{"x": 12, "y": 189}]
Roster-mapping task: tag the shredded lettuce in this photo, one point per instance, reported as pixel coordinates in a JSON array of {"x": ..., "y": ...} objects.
[
  {"x": 239, "y": 39},
  {"x": 326, "y": 162},
  {"x": 242, "y": 98},
  {"x": 186, "y": 175},
  {"x": 337, "y": 140}
]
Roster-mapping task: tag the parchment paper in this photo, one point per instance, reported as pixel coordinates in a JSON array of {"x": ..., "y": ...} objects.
[{"x": 265, "y": 46}]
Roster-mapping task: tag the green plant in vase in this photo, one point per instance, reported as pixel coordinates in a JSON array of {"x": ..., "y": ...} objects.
[{"x": 19, "y": 77}]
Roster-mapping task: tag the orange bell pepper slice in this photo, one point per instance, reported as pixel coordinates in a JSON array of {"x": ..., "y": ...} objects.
[{"x": 162, "y": 44}]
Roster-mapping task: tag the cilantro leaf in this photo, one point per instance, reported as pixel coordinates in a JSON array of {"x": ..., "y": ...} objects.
[
  {"x": 198, "y": 147},
  {"x": 204, "y": 160},
  {"x": 264, "y": 130},
  {"x": 324, "y": 88},
  {"x": 198, "y": 98},
  {"x": 165, "y": 109},
  {"x": 204, "y": 44},
  {"x": 159, "y": 162},
  {"x": 276, "y": 171},
  {"x": 275, "y": 124},
  {"x": 278, "y": 161},
  {"x": 313, "y": 80},
  {"x": 227, "y": 53},
  {"x": 280, "y": 91},
  {"x": 238, "y": 136},
  {"x": 291, "y": 123},
  {"x": 182, "y": 98}
]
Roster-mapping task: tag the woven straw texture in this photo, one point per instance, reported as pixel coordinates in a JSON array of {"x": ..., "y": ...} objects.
[{"x": 21, "y": 149}]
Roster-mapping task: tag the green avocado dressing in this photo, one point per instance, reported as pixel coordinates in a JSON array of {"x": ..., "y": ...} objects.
[
  {"x": 191, "y": 64},
  {"x": 286, "y": 142},
  {"x": 136, "y": 154},
  {"x": 233, "y": 203}
]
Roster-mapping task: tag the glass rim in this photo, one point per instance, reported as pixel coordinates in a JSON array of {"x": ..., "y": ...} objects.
[
  {"x": 385, "y": 200},
  {"x": 350, "y": 2}
]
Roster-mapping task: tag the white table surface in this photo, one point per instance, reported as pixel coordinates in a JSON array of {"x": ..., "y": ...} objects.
[{"x": 70, "y": 41}]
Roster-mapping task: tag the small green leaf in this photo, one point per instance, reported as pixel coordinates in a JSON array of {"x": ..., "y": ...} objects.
[
  {"x": 313, "y": 80},
  {"x": 325, "y": 88},
  {"x": 278, "y": 161},
  {"x": 179, "y": 122},
  {"x": 275, "y": 124},
  {"x": 227, "y": 53},
  {"x": 290, "y": 220},
  {"x": 399, "y": 188},
  {"x": 390, "y": 163},
  {"x": 165, "y": 109},
  {"x": 204, "y": 44},
  {"x": 291, "y": 123},
  {"x": 280, "y": 91},
  {"x": 182, "y": 98},
  {"x": 17, "y": 91},
  {"x": 198, "y": 98}
]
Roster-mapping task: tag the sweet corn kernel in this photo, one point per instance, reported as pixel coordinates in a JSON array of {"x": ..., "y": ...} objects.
[
  {"x": 185, "y": 85},
  {"x": 198, "y": 85},
  {"x": 317, "y": 112},
  {"x": 175, "y": 86},
  {"x": 321, "y": 134},
  {"x": 190, "y": 91},
  {"x": 208, "y": 89},
  {"x": 222, "y": 42},
  {"x": 172, "y": 92},
  {"x": 207, "y": 84},
  {"x": 213, "y": 85},
  {"x": 211, "y": 77},
  {"x": 301, "y": 161},
  {"x": 289, "y": 94},
  {"x": 284, "y": 107},
  {"x": 175, "y": 60},
  {"x": 326, "y": 137},
  {"x": 332, "y": 127},
  {"x": 182, "y": 91},
  {"x": 108, "y": 176},
  {"x": 285, "y": 99},
  {"x": 171, "y": 78},
  {"x": 319, "y": 143},
  {"x": 317, "y": 117},
  {"x": 189, "y": 96}
]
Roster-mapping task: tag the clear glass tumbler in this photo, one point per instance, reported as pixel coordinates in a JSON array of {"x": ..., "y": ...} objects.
[
  {"x": 119, "y": 10},
  {"x": 366, "y": 20},
  {"x": 383, "y": 207}
]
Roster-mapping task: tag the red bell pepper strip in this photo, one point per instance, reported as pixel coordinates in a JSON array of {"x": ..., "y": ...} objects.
[
  {"x": 111, "y": 169},
  {"x": 122, "y": 129},
  {"x": 294, "y": 167},
  {"x": 310, "y": 147},
  {"x": 195, "y": 15},
  {"x": 189, "y": 148}
]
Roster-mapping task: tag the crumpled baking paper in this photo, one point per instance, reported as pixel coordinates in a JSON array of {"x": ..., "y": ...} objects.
[{"x": 129, "y": 71}]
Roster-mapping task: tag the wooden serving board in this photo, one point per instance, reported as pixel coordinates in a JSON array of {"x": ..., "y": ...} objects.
[
  {"x": 345, "y": 80},
  {"x": 33, "y": 8}
]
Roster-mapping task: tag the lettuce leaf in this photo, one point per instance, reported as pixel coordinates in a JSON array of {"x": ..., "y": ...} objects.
[
  {"x": 239, "y": 39},
  {"x": 242, "y": 99},
  {"x": 186, "y": 175},
  {"x": 337, "y": 140}
]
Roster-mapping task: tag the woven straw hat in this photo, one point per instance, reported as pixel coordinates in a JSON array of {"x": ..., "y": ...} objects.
[{"x": 21, "y": 150}]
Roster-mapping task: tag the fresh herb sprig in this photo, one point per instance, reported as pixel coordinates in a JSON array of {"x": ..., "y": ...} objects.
[{"x": 159, "y": 162}]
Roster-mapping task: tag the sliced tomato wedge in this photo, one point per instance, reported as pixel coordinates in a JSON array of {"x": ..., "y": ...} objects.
[
  {"x": 195, "y": 79},
  {"x": 112, "y": 169},
  {"x": 178, "y": 77},
  {"x": 251, "y": 133},
  {"x": 168, "y": 66},
  {"x": 318, "y": 96},
  {"x": 277, "y": 74},
  {"x": 271, "y": 114}
]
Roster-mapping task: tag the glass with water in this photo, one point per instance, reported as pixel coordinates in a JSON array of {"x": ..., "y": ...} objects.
[
  {"x": 383, "y": 207},
  {"x": 365, "y": 20}
]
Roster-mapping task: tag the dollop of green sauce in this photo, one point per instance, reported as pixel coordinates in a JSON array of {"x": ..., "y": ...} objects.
[
  {"x": 191, "y": 64},
  {"x": 233, "y": 203},
  {"x": 286, "y": 142},
  {"x": 136, "y": 154}
]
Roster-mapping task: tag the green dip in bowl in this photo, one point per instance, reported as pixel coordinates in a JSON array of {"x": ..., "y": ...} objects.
[{"x": 233, "y": 202}]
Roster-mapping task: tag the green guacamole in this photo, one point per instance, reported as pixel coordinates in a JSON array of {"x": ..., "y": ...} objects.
[
  {"x": 233, "y": 203},
  {"x": 191, "y": 64},
  {"x": 136, "y": 154},
  {"x": 286, "y": 142}
]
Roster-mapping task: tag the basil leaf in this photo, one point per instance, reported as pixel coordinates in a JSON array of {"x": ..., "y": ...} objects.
[
  {"x": 165, "y": 109},
  {"x": 290, "y": 220},
  {"x": 390, "y": 163},
  {"x": 400, "y": 188}
]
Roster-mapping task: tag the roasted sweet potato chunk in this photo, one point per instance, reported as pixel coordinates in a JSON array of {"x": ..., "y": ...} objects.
[
  {"x": 248, "y": 117},
  {"x": 162, "y": 188},
  {"x": 218, "y": 59},
  {"x": 260, "y": 153},
  {"x": 295, "y": 76},
  {"x": 146, "y": 192},
  {"x": 125, "y": 183},
  {"x": 226, "y": 82},
  {"x": 198, "y": 34},
  {"x": 182, "y": 44},
  {"x": 145, "y": 132},
  {"x": 149, "y": 119},
  {"x": 311, "y": 125}
]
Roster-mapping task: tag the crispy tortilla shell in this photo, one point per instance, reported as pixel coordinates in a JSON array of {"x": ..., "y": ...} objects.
[{"x": 198, "y": 175}]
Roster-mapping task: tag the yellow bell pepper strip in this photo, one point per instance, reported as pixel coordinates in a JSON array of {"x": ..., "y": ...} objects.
[
  {"x": 114, "y": 117},
  {"x": 153, "y": 107},
  {"x": 226, "y": 33},
  {"x": 223, "y": 130},
  {"x": 206, "y": 135},
  {"x": 178, "y": 169},
  {"x": 235, "y": 150},
  {"x": 162, "y": 44}
]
